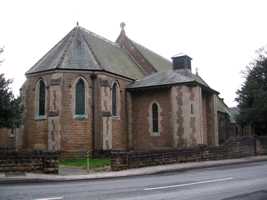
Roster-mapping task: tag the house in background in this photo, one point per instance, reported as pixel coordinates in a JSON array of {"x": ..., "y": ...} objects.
[
  {"x": 227, "y": 123},
  {"x": 91, "y": 94},
  {"x": 227, "y": 126}
]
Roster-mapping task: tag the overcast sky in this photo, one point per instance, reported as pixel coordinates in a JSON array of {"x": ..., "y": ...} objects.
[{"x": 220, "y": 36}]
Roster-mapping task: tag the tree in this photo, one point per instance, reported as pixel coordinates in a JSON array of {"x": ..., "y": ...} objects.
[
  {"x": 1, "y": 51},
  {"x": 10, "y": 107},
  {"x": 252, "y": 97}
]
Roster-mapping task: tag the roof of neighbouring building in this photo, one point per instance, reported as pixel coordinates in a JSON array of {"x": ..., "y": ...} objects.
[
  {"x": 234, "y": 112},
  {"x": 169, "y": 77},
  {"x": 222, "y": 107}
]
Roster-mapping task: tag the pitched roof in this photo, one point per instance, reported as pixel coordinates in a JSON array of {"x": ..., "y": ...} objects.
[
  {"x": 222, "y": 107},
  {"x": 84, "y": 50},
  {"x": 81, "y": 49},
  {"x": 159, "y": 62},
  {"x": 169, "y": 77},
  {"x": 148, "y": 60}
]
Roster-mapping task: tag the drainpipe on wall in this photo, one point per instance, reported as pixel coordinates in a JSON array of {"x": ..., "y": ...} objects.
[{"x": 93, "y": 78}]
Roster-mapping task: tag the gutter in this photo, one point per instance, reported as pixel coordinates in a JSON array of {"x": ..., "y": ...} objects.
[
  {"x": 168, "y": 85},
  {"x": 78, "y": 70}
]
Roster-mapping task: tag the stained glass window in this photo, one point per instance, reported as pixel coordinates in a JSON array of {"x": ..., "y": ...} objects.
[
  {"x": 114, "y": 99},
  {"x": 155, "y": 118},
  {"x": 80, "y": 98},
  {"x": 41, "y": 102}
]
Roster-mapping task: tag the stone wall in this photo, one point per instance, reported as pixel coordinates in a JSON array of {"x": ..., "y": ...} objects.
[
  {"x": 226, "y": 129},
  {"x": 76, "y": 132},
  {"x": 60, "y": 129},
  {"x": 35, "y": 129},
  {"x": 210, "y": 120},
  {"x": 28, "y": 161},
  {"x": 11, "y": 138},
  {"x": 111, "y": 129},
  {"x": 7, "y": 139},
  {"x": 261, "y": 145},
  {"x": 186, "y": 116},
  {"x": 233, "y": 148},
  {"x": 142, "y": 138}
]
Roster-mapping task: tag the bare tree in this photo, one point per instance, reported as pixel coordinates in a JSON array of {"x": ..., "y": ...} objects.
[{"x": 1, "y": 51}]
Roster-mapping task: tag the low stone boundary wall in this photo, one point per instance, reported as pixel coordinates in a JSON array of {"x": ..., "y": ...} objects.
[
  {"x": 74, "y": 154},
  {"x": 7, "y": 137},
  {"x": 84, "y": 154},
  {"x": 28, "y": 161},
  {"x": 233, "y": 148},
  {"x": 261, "y": 145}
]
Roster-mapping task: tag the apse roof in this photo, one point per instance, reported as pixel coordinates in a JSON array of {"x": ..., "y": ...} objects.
[{"x": 81, "y": 49}]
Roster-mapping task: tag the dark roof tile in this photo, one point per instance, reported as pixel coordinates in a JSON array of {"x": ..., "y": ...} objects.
[
  {"x": 169, "y": 77},
  {"x": 85, "y": 50}
]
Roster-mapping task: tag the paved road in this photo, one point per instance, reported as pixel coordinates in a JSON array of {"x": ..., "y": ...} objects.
[{"x": 246, "y": 181}]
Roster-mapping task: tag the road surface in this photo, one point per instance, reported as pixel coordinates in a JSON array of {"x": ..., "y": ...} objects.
[{"x": 235, "y": 182}]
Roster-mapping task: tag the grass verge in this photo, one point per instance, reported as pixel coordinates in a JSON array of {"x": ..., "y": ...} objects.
[{"x": 82, "y": 163}]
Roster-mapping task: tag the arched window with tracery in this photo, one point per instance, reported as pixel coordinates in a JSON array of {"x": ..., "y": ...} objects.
[{"x": 80, "y": 97}]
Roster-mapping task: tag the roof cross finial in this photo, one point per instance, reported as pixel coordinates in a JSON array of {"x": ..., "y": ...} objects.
[
  {"x": 77, "y": 23},
  {"x": 122, "y": 25},
  {"x": 197, "y": 71}
]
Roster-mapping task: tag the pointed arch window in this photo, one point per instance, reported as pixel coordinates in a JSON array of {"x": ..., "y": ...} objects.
[
  {"x": 114, "y": 100},
  {"x": 80, "y": 98},
  {"x": 155, "y": 118},
  {"x": 41, "y": 98}
]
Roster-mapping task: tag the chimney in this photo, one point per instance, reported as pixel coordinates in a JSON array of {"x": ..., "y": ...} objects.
[{"x": 181, "y": 61}]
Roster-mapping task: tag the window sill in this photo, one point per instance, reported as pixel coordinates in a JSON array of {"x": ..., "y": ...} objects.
[
  {"x": 80, "y": 117},
  {"x": 155, "y": 134},
  {"x": 39, "y": 118},
  {"x": 116, "y": 117}
]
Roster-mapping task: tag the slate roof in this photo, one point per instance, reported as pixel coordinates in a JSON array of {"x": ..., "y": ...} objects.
[
  {"x": 222, "y": 107},
  {"x": 234, "y": 112},
  {"x": 160, "y": 63},
  {"x": 81, "y": 49},
  {"x": 169, "y": 77}
]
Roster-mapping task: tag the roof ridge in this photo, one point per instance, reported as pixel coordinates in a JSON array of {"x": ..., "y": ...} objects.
[
  {"x": 148, "y": 49},
  {"x": 93, "y": 53},
  {"x": 66, "y": 48},
  {"x": 100, "y": 37},
  {"x": 49, "y": 51},
  {"x": 152, "y": 66},
  {"x": 132, "y": 59}
]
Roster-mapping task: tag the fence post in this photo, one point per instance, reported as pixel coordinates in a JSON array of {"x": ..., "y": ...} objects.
[
  {"x": 88, "y": 161},
  {"x": 255, "y": 145}
]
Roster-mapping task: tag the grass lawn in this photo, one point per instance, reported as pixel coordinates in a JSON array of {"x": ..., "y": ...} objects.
[{"x": 82, "y": 163}]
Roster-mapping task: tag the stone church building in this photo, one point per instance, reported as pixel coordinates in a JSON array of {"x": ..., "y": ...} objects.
[{"x": 91, "y": 94}]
